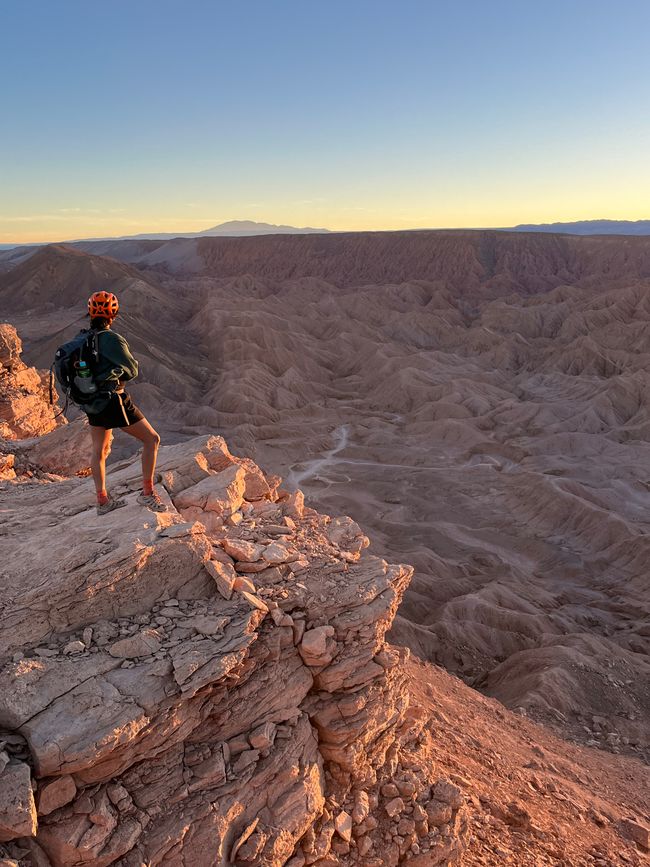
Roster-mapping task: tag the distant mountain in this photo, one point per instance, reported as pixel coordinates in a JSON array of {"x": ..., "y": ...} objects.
[
  {"x": 249, "y": 227},
  {"x": 588, "y": 227},
  {"x": 232, "y": 229}
]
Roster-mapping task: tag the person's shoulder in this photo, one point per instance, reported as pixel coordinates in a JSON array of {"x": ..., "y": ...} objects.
[{"x": 111, "y": 336}]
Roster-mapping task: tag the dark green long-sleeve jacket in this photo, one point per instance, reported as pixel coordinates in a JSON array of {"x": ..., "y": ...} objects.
[{"x": 116, "y": 364}]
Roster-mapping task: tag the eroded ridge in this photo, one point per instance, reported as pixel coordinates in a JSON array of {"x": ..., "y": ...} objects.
[{"x": 206, "y": 686}]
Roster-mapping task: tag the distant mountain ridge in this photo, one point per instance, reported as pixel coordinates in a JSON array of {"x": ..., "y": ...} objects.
[
  {"x": 587, "y": 227},
  {"x": 249, "y": 228},
  {"x": 229, "y": 229}
]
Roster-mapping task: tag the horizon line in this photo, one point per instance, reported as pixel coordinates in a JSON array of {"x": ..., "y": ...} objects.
[{"x": 301, "y": 230}]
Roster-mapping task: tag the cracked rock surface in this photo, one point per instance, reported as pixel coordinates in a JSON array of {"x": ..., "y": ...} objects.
[{"x": 205, "y": 686}]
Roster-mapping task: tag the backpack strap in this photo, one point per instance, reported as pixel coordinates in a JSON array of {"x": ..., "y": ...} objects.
[
  {"x": 95, "y": 344},
  {"x": 65, "y": 406}
]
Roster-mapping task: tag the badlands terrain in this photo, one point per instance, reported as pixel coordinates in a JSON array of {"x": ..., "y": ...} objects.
[{"x": 478, "y": 402}]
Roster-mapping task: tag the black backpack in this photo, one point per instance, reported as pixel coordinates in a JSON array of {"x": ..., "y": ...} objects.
[{"x": 83, "y": 347}]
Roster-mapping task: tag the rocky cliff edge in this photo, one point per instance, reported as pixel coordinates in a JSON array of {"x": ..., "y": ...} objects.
[{"x": 207, "y": 686}]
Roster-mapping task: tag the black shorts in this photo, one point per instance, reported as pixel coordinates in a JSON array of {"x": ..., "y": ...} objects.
[{"x": 120, "y": 412}]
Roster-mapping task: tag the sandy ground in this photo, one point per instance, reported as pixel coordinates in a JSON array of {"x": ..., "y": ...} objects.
[{"x": 533, "y": 798}]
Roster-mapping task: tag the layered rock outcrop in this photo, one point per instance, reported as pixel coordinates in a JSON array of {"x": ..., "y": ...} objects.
[
  {"x": 34, "y": 435},
  {"x": 206, "y": 686},
  {"x": 24, "y": 408}
]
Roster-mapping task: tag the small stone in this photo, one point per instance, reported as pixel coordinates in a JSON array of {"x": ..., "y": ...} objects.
[
  {"x": 73, "y": 647},
  {"x": 390, "y": 790},
  {"x": 144, "y": 643},
  {"x": 187, "y": 528},
  {"x": 405, "y": 827},
  {"x": 207, "y": 625},
  {"x": 119, "y": 796},
  {"x": 239, "y": 549},
  {"x": 223, "y": 575},
  {"x": 317, "y": 647},
  {"x": 260, "y": 566},
  {"x": 45, "y": 652},
  {"x": 170, "y": 611},
  {"x": 395, "y": 807},
  {"x": 263, "y": 736},
  {"x": 438, "y": 813},
  {"x": 237, "y": 745},
  {"x": 364, "y": 846},
  {"x": 343, "y": 826},
  {"x": 243, "y": 584},
  {"x": 247, "y": 758},
  {"x": 406, "y": 788},
  {"x": 448, "y": 793},
  {"x": 276, "y": 553},
  {"x": 298, "y": 631},
  {"x": 636, "y": 831},
  {"x": 255, "y": 601},
  {"x": 88, "y": 636},
  {"x": 361, "y": 807},
  {"x": 277, "y": 615}
]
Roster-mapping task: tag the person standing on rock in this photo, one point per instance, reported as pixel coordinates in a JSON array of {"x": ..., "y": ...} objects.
[{"x": 112, "y": 368}]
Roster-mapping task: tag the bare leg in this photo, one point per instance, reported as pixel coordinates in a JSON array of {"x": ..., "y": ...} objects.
[
  {"x": 101, "y": 439},
  {"x": 143, "y": 431}
]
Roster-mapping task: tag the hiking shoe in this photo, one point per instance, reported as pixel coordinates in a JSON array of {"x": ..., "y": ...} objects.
[
  {"x": 153, "y": 502},
  {"x": 109, "y": 506}
]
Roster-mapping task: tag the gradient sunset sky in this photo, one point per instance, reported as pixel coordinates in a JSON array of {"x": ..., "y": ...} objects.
[{"x": 121, "y": 117}]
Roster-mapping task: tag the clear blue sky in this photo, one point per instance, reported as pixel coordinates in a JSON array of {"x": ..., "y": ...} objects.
[{"x": 126, "y": 115}]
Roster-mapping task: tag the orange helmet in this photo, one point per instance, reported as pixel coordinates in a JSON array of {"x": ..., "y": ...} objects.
[{"x": 103, "y": 304}]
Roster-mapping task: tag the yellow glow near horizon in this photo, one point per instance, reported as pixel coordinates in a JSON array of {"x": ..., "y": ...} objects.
[{"x": 45, "y": 228}]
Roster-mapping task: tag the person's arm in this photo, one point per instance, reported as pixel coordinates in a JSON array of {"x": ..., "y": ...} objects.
[{"x": 116, "y": 351}]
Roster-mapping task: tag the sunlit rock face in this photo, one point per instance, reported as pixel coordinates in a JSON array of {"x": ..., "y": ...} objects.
[
  {"x": 25, "y": 410},
  {"x": 208, "y": 685},
  {"x": 35, "y": 439}
]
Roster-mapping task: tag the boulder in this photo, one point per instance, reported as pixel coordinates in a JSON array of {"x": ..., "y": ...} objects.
[
  {"x": 317, "y": 647},
  {"x": 276, "y": 553},
  {"x": 144, "y": 643},
  {"x": 255, "y": 485},
  {"x": 240, "y": 549},
  {"x": 66, "y": 450},
  {"x": 221, "y": 492},
  {"x": 55, "y": 794}
]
